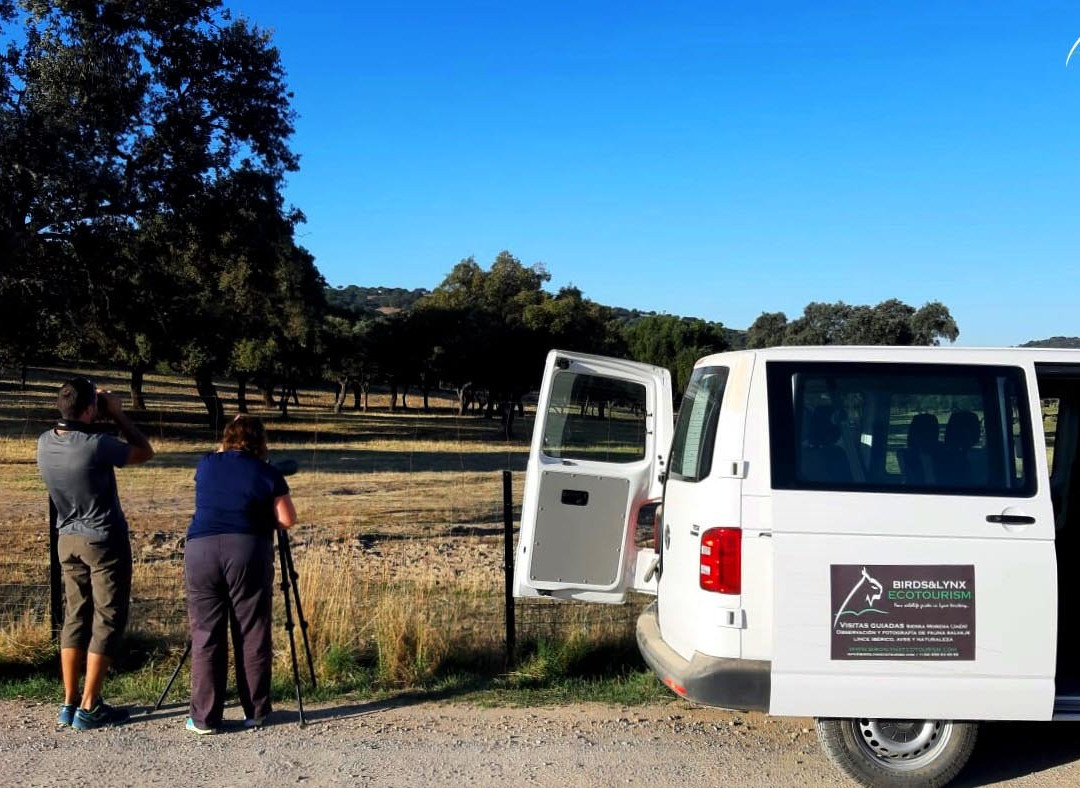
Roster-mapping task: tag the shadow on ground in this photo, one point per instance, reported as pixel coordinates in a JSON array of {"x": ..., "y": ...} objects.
[
  {"x": 312, "y": 716},
  {"x": 1010, "y": 750}
]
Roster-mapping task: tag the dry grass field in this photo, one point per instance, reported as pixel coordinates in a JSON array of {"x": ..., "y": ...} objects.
[{"x": 399, "y": 545}]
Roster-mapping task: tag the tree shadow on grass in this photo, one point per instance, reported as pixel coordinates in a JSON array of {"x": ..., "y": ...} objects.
[
  {"x": 43, "y": 668},
  {"x": 19, "y": 671},
  {"x": 360, "y": 461},
  {"x": 546, "y": 662},
  {"x": 335, "y": 461}
]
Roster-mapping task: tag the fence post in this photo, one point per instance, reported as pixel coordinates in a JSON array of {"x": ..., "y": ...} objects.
[
  {"x": 508, "y": 565},
  {"x": 56, "y": 598}
]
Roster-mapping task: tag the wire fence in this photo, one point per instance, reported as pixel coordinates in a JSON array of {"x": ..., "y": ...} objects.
[
  {"x": 400, "y": 513},
  {"x": 331, "y": 578}
]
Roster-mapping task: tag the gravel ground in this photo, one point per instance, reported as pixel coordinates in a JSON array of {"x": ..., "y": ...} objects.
[{"x": 429, "y": 743}]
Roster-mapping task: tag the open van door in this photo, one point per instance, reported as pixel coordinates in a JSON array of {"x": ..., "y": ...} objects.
[{"x": 602, "y": 433}]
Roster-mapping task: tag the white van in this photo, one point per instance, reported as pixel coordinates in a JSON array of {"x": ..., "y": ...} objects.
[{"x": 869, "y": 536}]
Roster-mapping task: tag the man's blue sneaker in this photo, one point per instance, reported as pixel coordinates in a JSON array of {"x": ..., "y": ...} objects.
[
  {"x": 66, "y": 715},
  {"x": 101, "y": 715},
  {"x": 191, "y": 726}
]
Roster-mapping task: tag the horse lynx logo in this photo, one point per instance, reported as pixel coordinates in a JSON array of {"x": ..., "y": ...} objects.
[{"x": 873, "y": 590}]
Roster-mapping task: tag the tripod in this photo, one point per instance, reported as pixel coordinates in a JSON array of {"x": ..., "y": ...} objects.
[{"x": 289, "y": 577}]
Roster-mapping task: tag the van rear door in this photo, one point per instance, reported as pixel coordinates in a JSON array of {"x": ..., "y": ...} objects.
[
  {"x": 913, "y": 539},
  {"x": 704, "y": 493},
  {"x": 602, "y": 432}
]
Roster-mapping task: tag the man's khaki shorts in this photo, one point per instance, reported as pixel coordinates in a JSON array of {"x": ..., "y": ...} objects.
[{"x": 97, "y": 593}]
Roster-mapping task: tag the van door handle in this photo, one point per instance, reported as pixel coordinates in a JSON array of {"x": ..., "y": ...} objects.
[
  {"x": 1010, "y": 519},
  {"x": 575, "y": 497}
]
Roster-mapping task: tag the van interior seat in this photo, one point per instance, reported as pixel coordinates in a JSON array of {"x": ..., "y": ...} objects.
[
  {"x": 822, "y": 459},
  {"x": 923, "y": 448},
  {"x": 957, "y": 460}
]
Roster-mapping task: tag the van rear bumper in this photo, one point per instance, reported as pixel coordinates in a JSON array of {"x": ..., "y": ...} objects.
[{"x": 712, "y": 681}]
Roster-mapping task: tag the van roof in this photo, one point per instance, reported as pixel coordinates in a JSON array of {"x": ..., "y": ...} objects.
[{"x": 950, "y": 355}]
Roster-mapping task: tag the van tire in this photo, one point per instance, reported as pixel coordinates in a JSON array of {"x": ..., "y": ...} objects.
[{"x": 851, "y": 746}]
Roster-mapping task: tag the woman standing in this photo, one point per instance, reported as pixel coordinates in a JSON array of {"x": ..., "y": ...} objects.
[{"x": 229, "y": 566}]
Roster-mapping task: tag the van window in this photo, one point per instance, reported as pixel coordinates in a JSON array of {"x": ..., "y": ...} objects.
[
  {"x": 695, "y": 431},
  {"x": 595, "y": 418},
  {"x": 946, "y": 429}
]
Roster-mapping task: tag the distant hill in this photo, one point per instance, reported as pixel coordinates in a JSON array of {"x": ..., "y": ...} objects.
[
  {"x": 372, "y": 300},
  {"x": 628, "y": 316},
  {"x": 389, "y": 300},
  {"x": 1056, "y": 342}
]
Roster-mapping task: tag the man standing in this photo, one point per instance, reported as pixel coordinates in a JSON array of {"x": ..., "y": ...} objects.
[{"x": 76, "y": 463}]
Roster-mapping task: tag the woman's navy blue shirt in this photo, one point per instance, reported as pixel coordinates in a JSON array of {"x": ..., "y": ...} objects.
[{"x": 234, "y": 494}]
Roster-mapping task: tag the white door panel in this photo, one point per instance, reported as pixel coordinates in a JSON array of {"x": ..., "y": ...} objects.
[
  {"x": 588, "y": 512},
  {"x": 902, "y": 603},
  {"x": 911, "y": 516},
  {"x": 1014, "y": 633},
  {"x": 602, "y": 429},
  {"x": 688, "y": 616},
  {"x": 925, "y": 698},
  {"x": 757, "y": 584}
]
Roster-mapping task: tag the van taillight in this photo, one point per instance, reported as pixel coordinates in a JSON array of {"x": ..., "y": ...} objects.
[{"x": 721, "y": 560}]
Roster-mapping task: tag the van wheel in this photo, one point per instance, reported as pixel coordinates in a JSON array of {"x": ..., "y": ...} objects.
[{"x": 898, "y": 753}]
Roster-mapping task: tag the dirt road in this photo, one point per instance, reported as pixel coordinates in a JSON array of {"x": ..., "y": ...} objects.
[{"x": 455, "y": 744}]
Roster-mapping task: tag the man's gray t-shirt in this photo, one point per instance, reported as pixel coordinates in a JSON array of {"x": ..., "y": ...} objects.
[{"x": 78, "y": 471}]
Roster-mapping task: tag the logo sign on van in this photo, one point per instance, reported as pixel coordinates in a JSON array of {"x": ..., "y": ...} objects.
[{"x": 903, "y": 612}]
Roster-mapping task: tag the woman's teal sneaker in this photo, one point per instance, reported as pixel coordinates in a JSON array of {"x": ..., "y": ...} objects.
[
  {"x": 191, "y": 726},
  {"x": 66, "y": 715}
]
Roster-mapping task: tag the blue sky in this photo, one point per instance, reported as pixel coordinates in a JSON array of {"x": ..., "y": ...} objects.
[{"x": 716, "y": 159}]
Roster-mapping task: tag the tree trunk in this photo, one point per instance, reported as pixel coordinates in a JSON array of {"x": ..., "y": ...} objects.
[
  {"x": 241, "y": 394},
  {"x": 283, "y": 403},
  {"x": 367, "y": 390},
  {"x": 267, "y": 387},
  {"x": 508, "y": 411},
  {"x": 404, "y": 394},
  {"x": 204, "y": 384},
  {"x": 393, "y": 397},
  {"x": 137, "y": 401},
  {"x": 22, "y": 375},
  {"x": 463, "y": 403},
  {"x": 343, "y": 390},
  {"x": 295, "y": 395}
]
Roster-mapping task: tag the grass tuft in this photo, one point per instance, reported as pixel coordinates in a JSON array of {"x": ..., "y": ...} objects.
[
  {"x": 27, "y": 641},
  {"x": 410, "y": 644}
]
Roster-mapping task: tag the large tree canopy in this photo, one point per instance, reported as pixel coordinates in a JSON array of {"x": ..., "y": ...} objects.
[
  {"x": 891, "y": 322},
  {"x": 674, "y": 342},
  {"x": 143, "y": 147}
]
